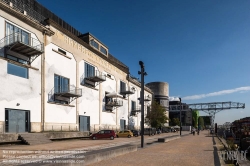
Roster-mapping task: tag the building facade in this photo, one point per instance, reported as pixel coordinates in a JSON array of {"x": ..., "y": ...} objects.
[{"x": 55, "y": 78}]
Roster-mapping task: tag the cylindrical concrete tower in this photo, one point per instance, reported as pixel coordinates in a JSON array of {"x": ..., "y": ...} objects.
[{"x": 161, "y": 93}]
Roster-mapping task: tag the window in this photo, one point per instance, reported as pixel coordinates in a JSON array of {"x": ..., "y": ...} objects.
[
  {"x": 61, "y": 84},
  {"x": 148, "y": 109},
  {"x": 19, "y": 34},
  {"x": 89, "y": 70},
  {"x": 17, "y": 59},
  {"x": 122, "y": 86},
  {"x": 61, "y": 51},
  {"x": 94, "y": 44},
  {"x": 133, "y": 105},
  {"x": 17, "y": 70},
  {"x": 103, "y": 50}
]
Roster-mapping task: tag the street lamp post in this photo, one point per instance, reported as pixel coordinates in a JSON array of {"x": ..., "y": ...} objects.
[
  {"x": 180, "y": 115},
  {"x": 143, "y": 73}
]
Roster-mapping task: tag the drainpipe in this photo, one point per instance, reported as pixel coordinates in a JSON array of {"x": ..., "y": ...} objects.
[{"x": 43, "y": 83}]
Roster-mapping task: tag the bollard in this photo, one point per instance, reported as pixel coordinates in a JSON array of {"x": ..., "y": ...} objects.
[
  {"x": 17, "y": 128},
  {"x": 52, "y": 128},
  {"x": 69, "y": 128},
  {"x": 61, "y": 128}
]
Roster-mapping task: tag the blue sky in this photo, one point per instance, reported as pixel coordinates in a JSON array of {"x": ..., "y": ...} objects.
[{"x": 198, "y": 47}]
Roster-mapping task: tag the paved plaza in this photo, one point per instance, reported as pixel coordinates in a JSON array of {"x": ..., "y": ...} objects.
[
  {"x": 189, "y": 150},
  {"x": 198, "y": 150}
]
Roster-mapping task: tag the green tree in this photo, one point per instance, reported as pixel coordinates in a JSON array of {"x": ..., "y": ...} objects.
[
  {"x": 156, "y": 117},
  {"x": 201, "y": 122},
  {"x": 175, "y": 122},
  {"x": 195, "y": 115}
]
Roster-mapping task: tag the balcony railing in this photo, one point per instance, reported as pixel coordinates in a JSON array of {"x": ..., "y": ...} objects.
[
  {"x": 146, "y": 98},
  {"x": 128, "y": 90},
  {"x": 97, "y": 76},
  {"x": 136, "y": 109},
  {"x": 23, "y": 45},
  {"x": 115, "y": 103},
  {"x": 68, "y": 91}
]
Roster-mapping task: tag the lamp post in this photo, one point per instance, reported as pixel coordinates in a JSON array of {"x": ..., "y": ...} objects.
[
  {"x": 143, "y": 73},
  {"x": 180, "y": 115}
]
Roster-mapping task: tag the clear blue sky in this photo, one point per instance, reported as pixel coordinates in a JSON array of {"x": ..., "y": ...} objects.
[{"x": 198, "y": 47}]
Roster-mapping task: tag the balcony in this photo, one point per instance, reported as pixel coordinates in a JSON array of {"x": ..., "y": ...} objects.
[
  {"x": 96, "y": 77},
  {"x": 115, "y": 103},
  {"x": 146, "y": 98},
  {"x": 68, "y": 91},
  {"x": 136, "y": 109},
  {"x": 129, "y": 90},
  {"x": 28, "y": 47}
]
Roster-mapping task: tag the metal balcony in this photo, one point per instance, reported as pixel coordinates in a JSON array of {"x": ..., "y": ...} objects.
[
  {"x": 129, "y": 90},
  {"x": 146, "y": 98},
  {"x": 30, "y": 48},
  {"x": 136, "y": 109},
  {"x": 115, "y": 103},
  {"x": 68, "y": 91},
  {"x": 96, "y": 77}
]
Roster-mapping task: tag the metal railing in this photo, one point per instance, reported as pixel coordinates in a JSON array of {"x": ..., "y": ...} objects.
[
  {"x": 136, "y": 109},
  {"x": 127, "y": 90},
  {"x": 115, "y": 102},
  {"x": 18, "y": 37},
  {"x": 68, "y": 89}
]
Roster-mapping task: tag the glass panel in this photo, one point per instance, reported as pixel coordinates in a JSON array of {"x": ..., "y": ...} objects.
[
  {"x": 25, "y": 37},
  {"x": 17, "y": 70},
  {"x": 56, "y": 83},
  {"x": 8, "y": 32},
  {"x": 94, "y": 44},
  {"x": 132, "y": 105},
  {"x": 89, "y": 70},
  {"x": 122, "y": 86},
  {"x": 65, "y": 84},
  {"x": 103, "y": 50}
]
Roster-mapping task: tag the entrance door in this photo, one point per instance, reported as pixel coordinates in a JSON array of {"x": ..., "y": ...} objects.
[
  {"x": 122, "y": 124},
  {"x": 17, "y": 121},
  {"x": 84, "y": 123}
]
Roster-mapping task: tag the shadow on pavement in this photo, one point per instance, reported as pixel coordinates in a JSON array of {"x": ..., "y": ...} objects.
[{"x": 216, "y": 156}]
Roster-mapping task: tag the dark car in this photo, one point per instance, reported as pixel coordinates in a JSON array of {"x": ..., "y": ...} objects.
[
  {"x": 136, "y": 133},
  {"x": 150, "y": 131},
  {"x": 103, "y": 134}
]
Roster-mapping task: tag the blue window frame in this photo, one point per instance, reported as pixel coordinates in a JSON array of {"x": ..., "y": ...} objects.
[
  {"x": 23, "y": 35},
  {"x": 61, "y": 84},
  {"x": 17, "y": 70},
  {"x": 89, "y": 70}
]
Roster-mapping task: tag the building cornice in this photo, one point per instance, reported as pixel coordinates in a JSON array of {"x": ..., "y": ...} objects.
[
  {"x": 139, "y": 84},
  {"x": 80, "y": 41},
  {"x": 25, "y": 18}
]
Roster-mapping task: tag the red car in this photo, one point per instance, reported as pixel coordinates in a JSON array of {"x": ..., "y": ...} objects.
[{"x": 103, "y": 134}]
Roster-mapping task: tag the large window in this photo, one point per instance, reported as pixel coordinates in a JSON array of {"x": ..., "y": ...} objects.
[
  {"x": 19, "y": 34},
  {"x": 122, "y": 86},
  {"x": 89, "y": 70},
  {"x": 61, "y": 84},
  {"x": 17, "y": 70},
  {"x": 133, "y": 105}
]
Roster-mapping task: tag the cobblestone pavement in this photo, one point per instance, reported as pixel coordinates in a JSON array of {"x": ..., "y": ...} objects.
[{"x": 190, "y": 150}]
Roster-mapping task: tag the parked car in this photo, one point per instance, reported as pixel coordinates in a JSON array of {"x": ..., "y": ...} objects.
[
  {"x": 125, "y": 133},
  {"x": 136, "y": 133},
  {"x": 103, "y": 134},
  {"x": 150, "y": 131},
  {"x": 166, "y": 130}
]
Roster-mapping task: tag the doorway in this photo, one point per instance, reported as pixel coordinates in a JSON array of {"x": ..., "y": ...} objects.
[
  {"x": 122, "y": 124},
  {"x": 84, "y": 122},
  {"x": 17, "y": 121}
]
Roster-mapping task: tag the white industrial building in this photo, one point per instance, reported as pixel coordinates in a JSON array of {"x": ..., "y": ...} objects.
[{"x": 53, "y": 77}]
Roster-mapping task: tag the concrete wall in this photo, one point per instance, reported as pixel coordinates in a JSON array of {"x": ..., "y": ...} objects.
[{"x": 14, "y": 89}]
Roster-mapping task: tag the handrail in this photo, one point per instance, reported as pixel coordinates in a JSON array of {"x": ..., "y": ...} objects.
[
  {"x": 17, "y": 37},
  {"x": 67, "y": 89}
]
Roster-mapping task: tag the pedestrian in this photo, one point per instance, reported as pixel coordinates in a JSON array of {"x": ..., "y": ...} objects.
[{"x": 198, "y": 131}]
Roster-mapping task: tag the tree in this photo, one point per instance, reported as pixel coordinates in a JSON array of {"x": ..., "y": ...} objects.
[
  {"x": 201, "y": 122},
  {"x": 175, "y": 122},
  {"x": 156, "y": 117}
]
